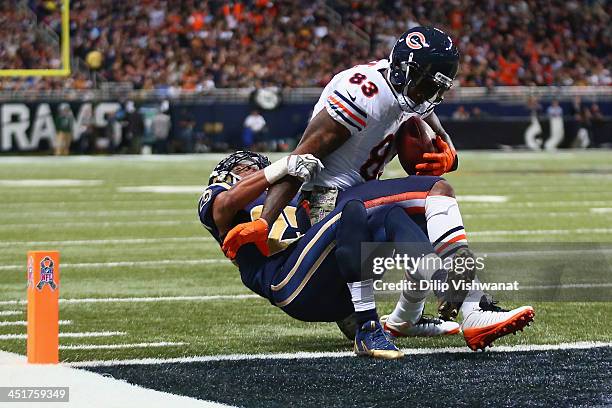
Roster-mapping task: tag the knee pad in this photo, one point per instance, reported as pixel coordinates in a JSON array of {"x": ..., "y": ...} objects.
[{"x": 354, "y": 211}]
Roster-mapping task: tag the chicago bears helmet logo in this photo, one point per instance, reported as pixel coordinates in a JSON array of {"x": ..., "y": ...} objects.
[
  {"x": 46, "y": 274},
  {"x": 416, "y": 41}
]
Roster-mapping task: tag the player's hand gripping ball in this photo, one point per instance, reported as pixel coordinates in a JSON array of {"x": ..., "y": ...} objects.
[
  {"x": 413, "y": 139},
  {"x": 420, "y": 151},
  {"x": 437, "y": 163},
  {"x": 255, "y": 232}
]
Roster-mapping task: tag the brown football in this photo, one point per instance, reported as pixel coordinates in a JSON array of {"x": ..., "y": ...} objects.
[{"x": 413, "y": 139}]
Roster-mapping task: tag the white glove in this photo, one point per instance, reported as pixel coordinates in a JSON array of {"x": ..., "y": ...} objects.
[{"x": 303, "y": 166}]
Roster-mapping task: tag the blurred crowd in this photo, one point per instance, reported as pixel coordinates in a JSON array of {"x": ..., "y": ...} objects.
[
  {"x": 197, "y": 45},
  {"x": 504, "y": 42},
  {"x": 23, "y": 45}
]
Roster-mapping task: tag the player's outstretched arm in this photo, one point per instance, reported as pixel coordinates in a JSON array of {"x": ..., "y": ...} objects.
[
  {"x": 301, "y": 167},
  {"x": 322, "y": 136},
  {"x": 228, "y": 203}
]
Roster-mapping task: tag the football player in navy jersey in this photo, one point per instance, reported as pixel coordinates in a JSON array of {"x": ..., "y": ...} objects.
[
  {"x": 315, "y": 273},
  {"x": 298, "y": 275}
]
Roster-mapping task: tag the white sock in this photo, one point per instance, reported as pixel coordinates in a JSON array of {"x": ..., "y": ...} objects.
[
  {"x": 447, "y": 235},
  {"x": 407, "y": 310},
  {"x": 411, "y": 303},
  {"x": 472, "y": 301},
  {"x": 362, "y": 295},
  {"x": 444, "y": 225}
]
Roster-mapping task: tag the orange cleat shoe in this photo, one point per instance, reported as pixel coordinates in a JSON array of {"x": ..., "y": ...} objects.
[{"x": 487, "y": 324}]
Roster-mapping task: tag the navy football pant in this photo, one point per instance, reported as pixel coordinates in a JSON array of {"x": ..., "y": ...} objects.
[{"x": 311, "y": 285}]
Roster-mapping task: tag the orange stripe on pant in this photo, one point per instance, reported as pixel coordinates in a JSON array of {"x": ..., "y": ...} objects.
[{"x": 413, "y": 195}]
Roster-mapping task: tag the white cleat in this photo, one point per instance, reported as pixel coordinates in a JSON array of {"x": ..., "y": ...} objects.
[
  {"x": 483, "y": 326},
  {"x": 427, "y": 326}
]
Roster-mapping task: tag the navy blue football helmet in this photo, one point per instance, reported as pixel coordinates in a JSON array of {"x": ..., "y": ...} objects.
[
  {"x": 223, "y": 172},
  {"x": 423, "y": 65}
]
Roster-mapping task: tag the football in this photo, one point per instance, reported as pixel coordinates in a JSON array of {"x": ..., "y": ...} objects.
[{"x": 413, "y": 139}]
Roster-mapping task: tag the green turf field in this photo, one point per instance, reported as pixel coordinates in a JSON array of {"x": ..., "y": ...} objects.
[{"x": 118, "y": 239}]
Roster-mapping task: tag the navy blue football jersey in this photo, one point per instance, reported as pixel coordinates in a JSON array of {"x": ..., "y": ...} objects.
[{"x": 256, "y": 270}]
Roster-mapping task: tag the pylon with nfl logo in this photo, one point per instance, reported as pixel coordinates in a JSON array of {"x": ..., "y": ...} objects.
[{"x": 43, "y": 307}]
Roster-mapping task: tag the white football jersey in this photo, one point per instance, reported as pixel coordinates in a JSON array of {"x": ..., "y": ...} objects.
[{"x": 361, "y": 99}]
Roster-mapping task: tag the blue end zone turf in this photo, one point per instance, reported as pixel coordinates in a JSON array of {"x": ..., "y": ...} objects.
[{"x": 537, "y": 378}]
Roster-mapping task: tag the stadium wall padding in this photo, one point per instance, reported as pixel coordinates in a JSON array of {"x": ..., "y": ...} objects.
[{"x": 29, "y": 126}]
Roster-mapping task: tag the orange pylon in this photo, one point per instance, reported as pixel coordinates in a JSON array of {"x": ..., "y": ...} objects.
[{"x": 43, "y": 307}]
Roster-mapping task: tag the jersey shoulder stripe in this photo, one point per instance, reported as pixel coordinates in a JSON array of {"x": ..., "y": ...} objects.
[
  {"x": 350, "y": 112},
  {"x": 339, "y": 115},
  {"x": 352, "y": 105}
]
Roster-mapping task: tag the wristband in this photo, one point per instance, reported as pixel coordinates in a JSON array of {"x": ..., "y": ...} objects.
[{"x": 276, "y": 170}]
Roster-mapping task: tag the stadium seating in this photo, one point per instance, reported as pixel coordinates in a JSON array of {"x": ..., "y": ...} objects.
[{"x": 198, "y": 45}]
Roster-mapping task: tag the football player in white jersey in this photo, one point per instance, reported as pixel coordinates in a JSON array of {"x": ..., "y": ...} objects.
[{"x": 352, "y": 131}]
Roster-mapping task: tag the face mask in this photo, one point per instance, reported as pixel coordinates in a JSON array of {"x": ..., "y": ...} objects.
[{"x": 433, "y": 90}]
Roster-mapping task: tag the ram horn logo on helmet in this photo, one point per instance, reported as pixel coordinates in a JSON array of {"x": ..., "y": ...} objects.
[{"x": 416, "y": 40}]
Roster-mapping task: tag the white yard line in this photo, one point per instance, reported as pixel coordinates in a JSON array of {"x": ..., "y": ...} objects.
[
  {"x": 591, "y": 251},
  {"x": 482, "y": 198},
  {"x": 542, "y": 204},
  {"x": 109, "y": 241},
  {"x": 117, "y": 199},
  {"x": 100, "y": 224},
  {"x": 128, "y": 159},
  {"x": 163, "y": 189},
  {"x": 312, "y": 355},
  {"x": 160, "y": 299},
  {"x": 202, "y": 298},
  {"x": 119, "y": 346},
  {"x": 11, "y": 312},
  {"x": 541, "y": 232},
  {"x": 25, "y": 323},
  {"x": 105, "y": 213},
  {"x": 160, "y": 262},
  {"x": 528, "y": 214},
  {"x": 48, "y": 183},
  {"x": 601, "y": 210},
  {"x": 70, "y": 335}
]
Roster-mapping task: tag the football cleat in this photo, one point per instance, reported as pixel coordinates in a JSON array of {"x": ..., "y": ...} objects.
[
  {"x": 487, "y": 324},
  {"x": 372, "y": 341},
  {"x": 427, "y": 326}
]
